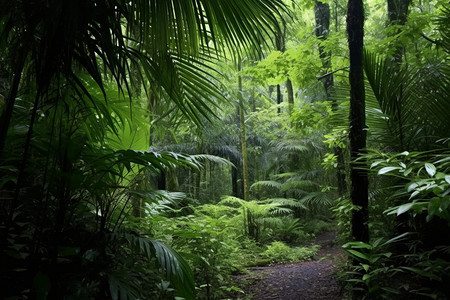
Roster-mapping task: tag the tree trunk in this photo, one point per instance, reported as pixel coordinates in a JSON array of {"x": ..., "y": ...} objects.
[
  {"x": 357, "y": 134},
  {"x": 243, "y": 145},
  {"x": 279, "y": 98},
  {"x": 397, "y": 15},
  {"x": 322, "y": 16},
  {"x": 290, "y": 92},
  {"x": 234, "y": 178}
]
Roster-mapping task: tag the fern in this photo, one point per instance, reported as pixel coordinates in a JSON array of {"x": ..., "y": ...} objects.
[
  {"x": 289, "y": 202},
  {"x": 316, "y": 199},
  {"x": 268, "y": 183},
  {"x": 299, "y": 184}
]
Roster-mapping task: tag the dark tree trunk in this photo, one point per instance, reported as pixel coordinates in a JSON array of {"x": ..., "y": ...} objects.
[
  {"x": 243, "y": 145},
  {"x": 290, "y": 92},
  {"x": 234, "y": 178},
  {"x": 280, "y": 41},
  {"x": 357, "y": 134},
  {"x": 279, "y": 98},
  {"x": 397, "y": 15},
  {"x": 162, "y": 181},
  {"x": 322, "y": 16}
]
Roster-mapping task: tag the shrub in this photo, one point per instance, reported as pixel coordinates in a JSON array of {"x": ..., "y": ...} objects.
[{"x": 280, "y": 252}]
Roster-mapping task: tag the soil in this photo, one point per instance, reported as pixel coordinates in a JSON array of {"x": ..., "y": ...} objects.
[{"x": 310, "y": 280}]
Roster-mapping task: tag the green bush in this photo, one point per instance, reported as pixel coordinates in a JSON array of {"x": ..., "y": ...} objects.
[{"x": 280, "y": 252}]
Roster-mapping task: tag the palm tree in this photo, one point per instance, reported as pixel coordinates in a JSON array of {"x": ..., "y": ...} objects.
[{"x": 48, "y": 39}]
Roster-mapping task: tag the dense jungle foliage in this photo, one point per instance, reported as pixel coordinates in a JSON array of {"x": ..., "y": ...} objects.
[{"x": 151, "y": 149}]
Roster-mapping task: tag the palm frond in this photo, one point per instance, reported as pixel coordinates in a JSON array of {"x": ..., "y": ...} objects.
[
  {"x": 412, "y": 103},
  {"x": 175, "y": 267},
  {"x": 212, "y": 158}
]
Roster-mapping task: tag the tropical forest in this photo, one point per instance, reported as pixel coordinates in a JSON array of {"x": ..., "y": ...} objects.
[{"x": 224, "y": 149}]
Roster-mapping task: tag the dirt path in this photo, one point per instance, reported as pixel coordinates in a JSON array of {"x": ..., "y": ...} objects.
[{"x": 312, "y": 280}]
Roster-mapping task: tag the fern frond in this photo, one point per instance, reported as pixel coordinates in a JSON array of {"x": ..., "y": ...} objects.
[
  {"x": 289, "y": 202},
  {"x": 268, "y": 183},
  {"x": 278, "y": 210},
  {"x": 316, "y": 199},
  {"x": 299, "y": 184},
  {"x": 284, "y": 175}
]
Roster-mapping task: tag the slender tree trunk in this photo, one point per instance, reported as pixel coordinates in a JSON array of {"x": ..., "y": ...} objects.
[
  {"x": 243, "y": 145},
  {"x": 397, "y": 15},
  {"x": 279, "y": 98},
  {"x": 290, "y": 92},
  {"x": 234, "y": 178},
  {"x": 357, "y": 134},
  {"x": 322, "y": 16}
]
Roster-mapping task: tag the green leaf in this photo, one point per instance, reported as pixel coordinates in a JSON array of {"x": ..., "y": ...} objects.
[
  {"x": 365, "y": 267},
  {"x": 404, "y": 208},
  {"x": 422, "y": 273},
  {"x": 447, "y": 178},
  {"x": 358, "y": 254},
  {"x": 358, "y": 245},
  {"x": 387, "y": 170},
  {"x": 397, "y": 238},
  {"x": 430, "y": 168}
]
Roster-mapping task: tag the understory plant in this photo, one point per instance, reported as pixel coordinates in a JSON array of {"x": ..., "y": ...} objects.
[{"x": 413, "y": 259}]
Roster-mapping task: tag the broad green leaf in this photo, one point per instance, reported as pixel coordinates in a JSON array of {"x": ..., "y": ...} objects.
[
  {"x": 404, "y": 208},
  {"x": 447, "y": 178},
  {"x": 358, "y": 245},
  {"x": 407, "y": 172},
  {"x": 412, "y": 186},
  {"x": 397, "y": 238},
  {"x": 387, "y": 170},
  {"x": 430, "y": 168},
  {"x": 366, "y": 277},
  {"x": 358, "y": 254}
]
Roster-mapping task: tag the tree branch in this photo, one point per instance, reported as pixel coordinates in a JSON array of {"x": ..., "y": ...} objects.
[{"x": 332, "y": 72}]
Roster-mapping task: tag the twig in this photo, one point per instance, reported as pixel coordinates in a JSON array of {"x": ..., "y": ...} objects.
[
  {"x": 332, "y": 72},
  {"x": 436, "y": 42}
]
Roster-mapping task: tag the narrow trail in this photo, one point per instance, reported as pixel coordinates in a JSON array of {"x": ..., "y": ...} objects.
[{"x": 311, "y": 280}]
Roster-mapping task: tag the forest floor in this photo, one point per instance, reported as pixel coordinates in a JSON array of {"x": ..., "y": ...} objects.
[{"x": 307, "y": 280}]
